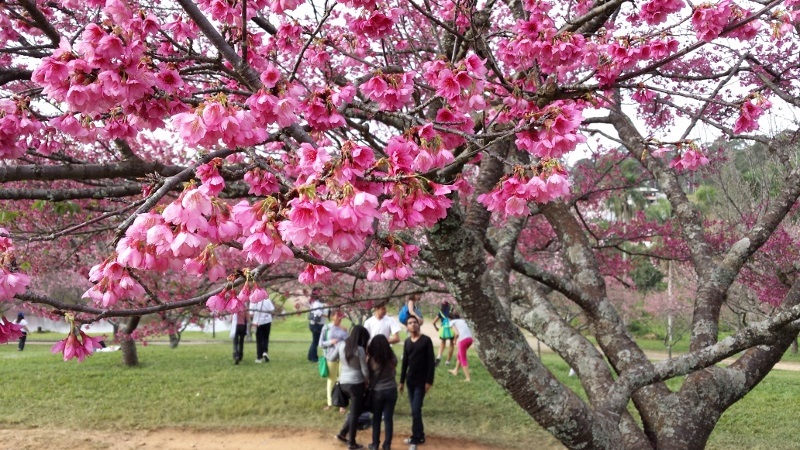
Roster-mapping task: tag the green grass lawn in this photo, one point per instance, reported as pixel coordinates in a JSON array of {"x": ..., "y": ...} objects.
[{"x": 197, "y": 386}]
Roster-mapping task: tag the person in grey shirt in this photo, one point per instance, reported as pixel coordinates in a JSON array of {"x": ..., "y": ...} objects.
[
  {"x": 353, "y": 378},
  {"x": 382, "y": 364}
]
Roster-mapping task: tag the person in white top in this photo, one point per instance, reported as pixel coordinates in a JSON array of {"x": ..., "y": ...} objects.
[
  {"x": 463, "y": 336},
  {"x": 380, "y": 323},
  {"x": 24, "y": 324},
  {"x": 316, "y": 320},
  {"x": 261, "y": 319}
]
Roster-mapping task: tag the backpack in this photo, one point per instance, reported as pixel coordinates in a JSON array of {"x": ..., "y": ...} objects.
[{"x": 403, "y": 316}]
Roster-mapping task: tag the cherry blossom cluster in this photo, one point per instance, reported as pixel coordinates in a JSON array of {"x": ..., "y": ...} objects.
[
  {"x": 229, "y": 301},
  {"x": 320, "y": 107},
  {"x": 219, "y": 120},
  {"x": 690, "y": 159},
  {"x": 751, "y": 110},
  {"x": 656, "y": 12},
  {"x": 77, "y": 344},
  {"x": 112, "y": 283},
  {"x": 513, "y": 193},
  {"x": 17, "y": 129},
  {"x": 375, "y": 24},
  {"x": 391, "y": 91},
  {"x": 394, "y": 263},
  {"x": 461, "y": 84},
  {"x": 558, "y": 133},
  {"x": 538, "y": 41},
  {"x": 9, "y": 331},
  {"x": 230, "y": 13},
  {"x": 12, "y": 282},
  {"x": 710, "y": 19}
]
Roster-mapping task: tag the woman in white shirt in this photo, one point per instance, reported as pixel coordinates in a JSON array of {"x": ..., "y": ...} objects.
[{"x": 463, "y": 336}]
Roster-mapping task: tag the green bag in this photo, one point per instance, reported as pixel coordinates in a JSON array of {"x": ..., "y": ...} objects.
[
  {"x": 323, "y": 368},
  {"x": 446, "y": 330}
]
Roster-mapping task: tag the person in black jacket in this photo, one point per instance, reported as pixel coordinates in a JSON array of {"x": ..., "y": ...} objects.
[{"x": 417, "y": 375}]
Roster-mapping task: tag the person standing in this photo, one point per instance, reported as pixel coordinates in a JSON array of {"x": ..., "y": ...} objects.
[
  {"x": 464, "y": 337},
  {"x": 24, "y": 324},
  {"x": 316, "y": 320},
  {"x": 238, "y": 333},
  {"x": 380, "y": 323},
  {"x": 416, "y": 374},
  {"x": 333, "y": 334},
  {"x": 262, "y": 321},
  {"x": 382, "y": 364},
  {"x": 353, "y": 379},
  {"x": 445, "y": 333},
  {"x": 410, "y": 309}
]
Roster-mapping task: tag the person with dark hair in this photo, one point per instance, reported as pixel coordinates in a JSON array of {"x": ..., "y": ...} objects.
[
  {"x": 382, "y": 364},
  {"x": 24, "y": 323},
  {"x": 353, "y": 379},
  {"x": 417, "y": 373},
  {"x": 381, "y": 323},
  {"x": 445, "y": 333},
  {"x": 464, "y": 337},
  {"x": 316, "y": 320},
  {"x": 261, "y": 320}
]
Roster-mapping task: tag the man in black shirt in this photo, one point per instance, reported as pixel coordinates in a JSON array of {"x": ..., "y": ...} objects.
[{"x": 417, "y": 372}]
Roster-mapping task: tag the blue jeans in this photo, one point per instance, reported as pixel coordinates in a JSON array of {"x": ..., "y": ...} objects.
[
  {"x": 316, "y": 331},
  {"x": 416, "y": 395},
  {"x": 355, "y": 392},
  {"x": 383, "y": 403}
]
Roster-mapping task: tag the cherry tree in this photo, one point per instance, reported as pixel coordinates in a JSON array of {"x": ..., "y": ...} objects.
[{"x": 419, "y": 144}]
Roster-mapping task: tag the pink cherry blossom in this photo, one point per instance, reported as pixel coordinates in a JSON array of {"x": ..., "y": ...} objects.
[
  {"x": 9, "y": 331},
  {"x": 709, "y": 20},
  {"x": 314, "y": 274},
  {"x": 689, "y": 160},
  {"x": 655, "y": 12}
]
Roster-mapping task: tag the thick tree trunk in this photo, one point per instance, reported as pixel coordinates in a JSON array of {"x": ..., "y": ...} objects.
[{"x": 128, "y": 345}]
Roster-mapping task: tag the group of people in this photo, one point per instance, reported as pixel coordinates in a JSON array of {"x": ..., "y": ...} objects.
[{"x": 365, "y": 366}]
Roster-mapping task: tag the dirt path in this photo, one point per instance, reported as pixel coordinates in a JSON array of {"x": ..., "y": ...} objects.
[{"x": 182, "y": 439}]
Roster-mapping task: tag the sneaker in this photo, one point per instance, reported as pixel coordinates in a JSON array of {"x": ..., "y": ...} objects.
[
  {"x": 341, "y": 438},
  {"x": 412, "y": 447},
  {"x": 412, "y": 441},
  {"x": 372, "y": 447},
  {"x": 438, "y": 360},
  {"x": 447, "y": 363},
  {"x": 355, "y": 447},
  {"x": 258, "y": 361},
  {"x": 265, "y": 357}
]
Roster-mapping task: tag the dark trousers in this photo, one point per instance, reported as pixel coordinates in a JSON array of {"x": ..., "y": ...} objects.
[
  {"x": 316, "y": 331},
  {"x": 22, "y": 341},
  {"x": 416, "y": 395},
  {"x": 383, "y": 403},
  {"x": 355, "y": 392},
  {"x": 262, "y": 339},
  {"x": 238, "y": 342}
]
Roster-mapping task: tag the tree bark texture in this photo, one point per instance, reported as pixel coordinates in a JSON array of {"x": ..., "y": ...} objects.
[{"x": 128, "y": 346}]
